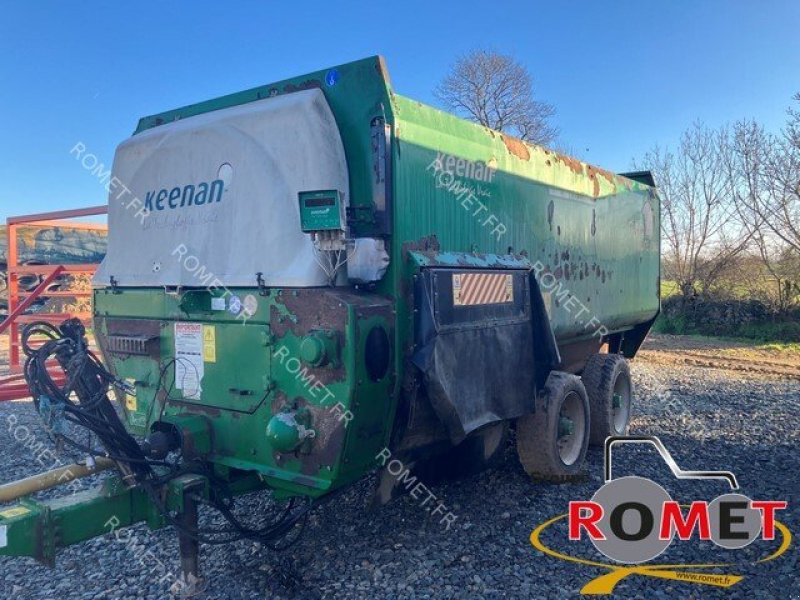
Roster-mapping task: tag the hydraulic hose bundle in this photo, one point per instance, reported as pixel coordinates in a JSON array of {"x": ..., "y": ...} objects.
[
  {"x": 83, "y": 401},
  {"x": 90, "y": 408}
]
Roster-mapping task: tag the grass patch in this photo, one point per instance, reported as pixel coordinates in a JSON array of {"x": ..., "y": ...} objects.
[
  {"x": 669, "y": 288},
  {"x": 783, "y": 335},
  {"x": 790, "y": 347}
]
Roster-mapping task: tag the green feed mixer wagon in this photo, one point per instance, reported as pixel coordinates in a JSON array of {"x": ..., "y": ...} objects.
[{"x": 310, "y": 279}]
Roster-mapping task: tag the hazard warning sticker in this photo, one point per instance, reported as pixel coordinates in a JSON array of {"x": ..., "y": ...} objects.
[
  {"x": 189, "y": 359},
  {"x": 130, "y": 399},
  {"x": 209, "y": 343},
  {"x": 472, "y": 289}
]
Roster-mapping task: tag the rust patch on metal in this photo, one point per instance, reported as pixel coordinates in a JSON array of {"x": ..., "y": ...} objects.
[
  {"x": 613, "y": 179},
  {"x": 188, "y": 445},
  {"x": 197, "y": 409},
  {"x": 380, "y": 67},
  {"x": 424, "y": 244},
  {"x": 595, "y": 183},
  {"x": 309, "y": 309},
  {"x": 517, "y": 147},
  {"x": 607, "y": 174},
  {"x": 279, "y": 400},
  {"x": 327, "y": 445},
  {"x": 312, "y": 310},
  {"x": 573, "y": 163},
  {"x": 330, "y": 428}
]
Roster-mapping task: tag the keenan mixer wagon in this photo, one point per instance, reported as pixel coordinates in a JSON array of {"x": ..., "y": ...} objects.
[{"x": 310, "y": 277}]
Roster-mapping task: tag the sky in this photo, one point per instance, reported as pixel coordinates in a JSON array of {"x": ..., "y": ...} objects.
[{"x": 624, "y": 76}]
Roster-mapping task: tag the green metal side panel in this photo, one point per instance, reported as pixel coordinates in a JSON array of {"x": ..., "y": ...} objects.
[
  {"x": 252, "y": 371},
  {"x": 596, "y": 232}
]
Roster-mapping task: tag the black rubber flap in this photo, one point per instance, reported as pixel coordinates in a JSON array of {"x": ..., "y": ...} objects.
[{"x": 475, "y": 346}]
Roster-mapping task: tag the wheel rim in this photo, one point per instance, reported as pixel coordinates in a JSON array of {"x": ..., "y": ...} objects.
[
  {"x": 571, "y": 429},
  {"x": 621, "y": 403}
]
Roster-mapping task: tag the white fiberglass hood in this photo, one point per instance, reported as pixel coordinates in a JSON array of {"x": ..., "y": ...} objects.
[{"x": 213, "y": 199}]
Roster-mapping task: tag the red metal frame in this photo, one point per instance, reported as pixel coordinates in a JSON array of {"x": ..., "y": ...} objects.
[
  {"x": 30, "y": 299},
  {"x": 19, "y": 301},
  {"x": 14, "y": 387}
]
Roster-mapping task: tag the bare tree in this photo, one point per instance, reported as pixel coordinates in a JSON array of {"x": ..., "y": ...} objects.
[
  {"x": 731, "y": 211},
  {"x": 497, "y": 91},
  {"x": 764, "y": 171},
  {"x": 701, "y": 235},
  {"x": 746, "y": 153},
  {"x": 780, "y": 208}
]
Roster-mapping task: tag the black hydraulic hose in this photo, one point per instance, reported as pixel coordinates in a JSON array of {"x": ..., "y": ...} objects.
[{"x": 89, "y": 381}]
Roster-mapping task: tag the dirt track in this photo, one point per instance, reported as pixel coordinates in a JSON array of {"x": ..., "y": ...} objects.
[{"x": 738, "y": 359}]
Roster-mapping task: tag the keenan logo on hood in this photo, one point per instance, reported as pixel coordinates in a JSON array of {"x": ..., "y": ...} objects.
[{"x": 188, "y": 195}]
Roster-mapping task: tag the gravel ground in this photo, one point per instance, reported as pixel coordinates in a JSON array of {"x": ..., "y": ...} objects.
[{"x": 708, "y": 418}]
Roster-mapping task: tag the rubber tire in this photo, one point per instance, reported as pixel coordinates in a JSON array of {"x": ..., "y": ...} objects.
[
  {"x": 480, "y": 451},
  {"x": 537, "y": 433},
  {"x": 600, "y": 377}
]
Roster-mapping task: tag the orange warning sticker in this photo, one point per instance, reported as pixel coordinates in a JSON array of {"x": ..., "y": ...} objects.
[{"x": 470, "y": 289}]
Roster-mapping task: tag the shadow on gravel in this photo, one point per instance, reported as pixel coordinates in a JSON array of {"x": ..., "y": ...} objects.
[
  {"x": 399, "y": 551},
  {"x": 402, "y": 551}
]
